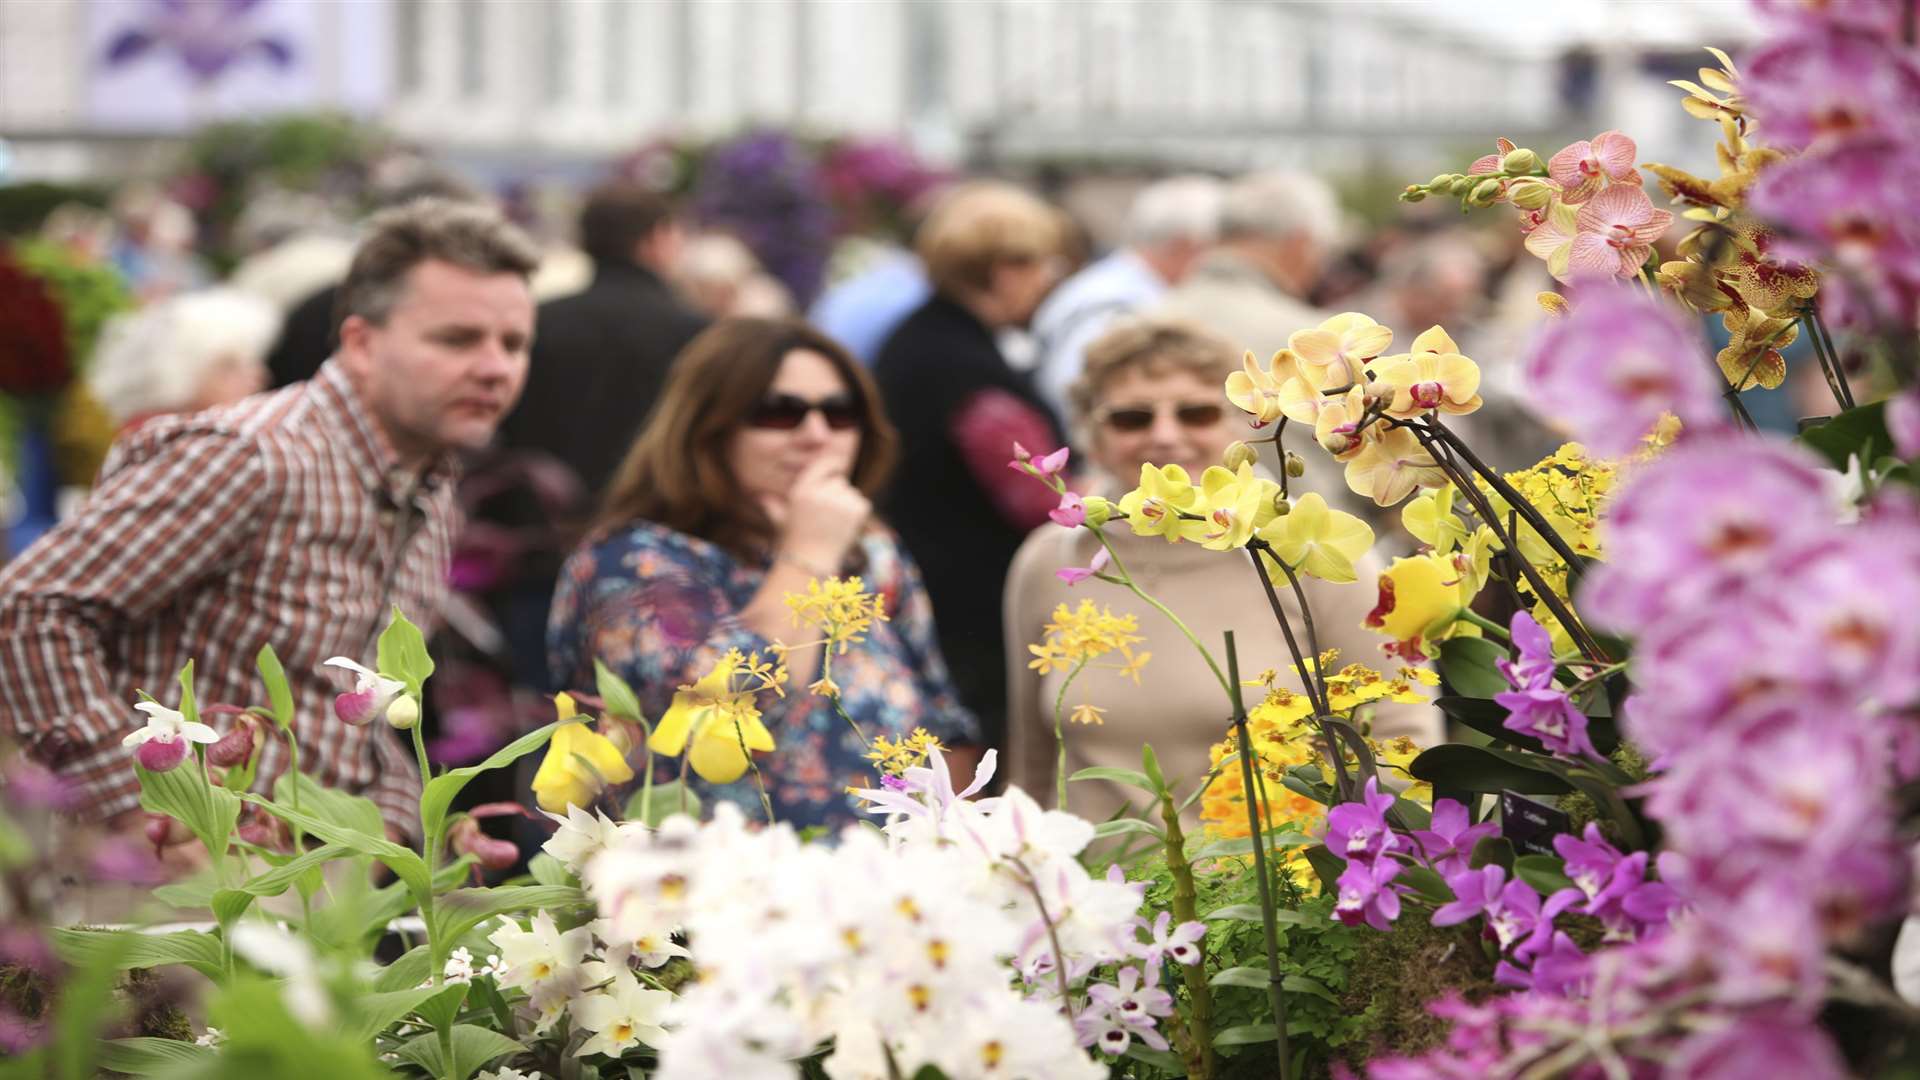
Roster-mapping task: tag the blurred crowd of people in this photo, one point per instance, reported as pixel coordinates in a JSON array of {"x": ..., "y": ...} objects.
[{"x": 688, "y": 447}]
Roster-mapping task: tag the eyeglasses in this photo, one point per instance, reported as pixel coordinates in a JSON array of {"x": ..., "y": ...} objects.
[
  {"x": 784, "y": 412},
  {"x": 1132, "y": 418}
]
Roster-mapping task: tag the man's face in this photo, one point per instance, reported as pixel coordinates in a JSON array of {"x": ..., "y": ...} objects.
[{"x": 448, "y": 363}]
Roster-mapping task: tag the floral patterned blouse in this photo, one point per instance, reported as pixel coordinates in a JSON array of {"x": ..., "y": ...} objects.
[{"x": 660, "y": 607}]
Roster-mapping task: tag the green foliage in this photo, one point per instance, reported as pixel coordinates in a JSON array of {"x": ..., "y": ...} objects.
[
  {"x": 1467, "y": 665},
  {"x": 1124, "y": 776},
  {"x": 1458, "y": 767},
  {"x": 660, "y": 802},
  {"x": 473, "y": 1047},
  {"x": 438, "y": 796},
  {"x": 279, "y": 693},
  {"x": 618, "y": 697},
  {"x": 403, "y": 654},
  {"x": 1860, "y": 431}
]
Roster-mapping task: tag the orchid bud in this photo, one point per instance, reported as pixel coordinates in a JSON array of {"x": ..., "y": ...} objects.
[
  {"x": 1295, "y": 465},
  {"x": 1442, "y": 182},
  {"x": 1485, "y": 193},
  {"x": 1460, "y": 185},
  {"x": 403, "y": 713},
  {"x": 1530, "y": 194},
  {"x": 1238, "y": 454},
  {"x": 1282, "y": 506},
  {"x": 161, "y": 755},
  {"x": 1099, "y": 510},
  {"x": 1413, "y": 194},
  {"x": 1522, "y": 160},
  {"x": 235, "y": 747}
]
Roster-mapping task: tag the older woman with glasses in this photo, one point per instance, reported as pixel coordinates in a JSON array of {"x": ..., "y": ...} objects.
[
  {"x": 1152, "y": 392},
  {"x": 753, "y": 477}
]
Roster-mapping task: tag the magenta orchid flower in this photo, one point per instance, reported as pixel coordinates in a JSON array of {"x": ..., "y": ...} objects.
[
  {"x": 1367, "y": 893},
  {"x": 372, "y": 693},
  {"x": 1448, "y": 844},
  {"x": 1615, "y": 231},
  {"x": 1582, "y": 167},
  {"x": 1074, "y": 575},
  {"x": 1358, "y": 830},
  {"x": 1072, "y": 512},
  {"x": 162, "y": 744}
]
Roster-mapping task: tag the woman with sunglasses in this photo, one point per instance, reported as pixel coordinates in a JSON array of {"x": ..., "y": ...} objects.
[
  {"x": 752, "y": 477},
  {"x": 1152, "y": 391}
]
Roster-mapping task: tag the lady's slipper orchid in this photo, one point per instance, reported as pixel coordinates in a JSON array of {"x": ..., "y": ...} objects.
[
  {"x": 580, "y": 763},
  {"x": 236, "y": 746},
  {"x": 1154, "y": 508},
  {"x": 1318, "y": 540},
  {"x": 372, "y": 693},
  {"x": 1615, "y": 231},
  {"x": 1387, "y": 470},
  {"x": 1419, "y": 598},
  {"x": 162, "y": 744},
  {"x": 1580, "y": 168},
  {"x": 709, "y": 721}
]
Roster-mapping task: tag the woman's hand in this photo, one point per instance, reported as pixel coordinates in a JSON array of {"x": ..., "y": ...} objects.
[{"x": 821, "y": 518}]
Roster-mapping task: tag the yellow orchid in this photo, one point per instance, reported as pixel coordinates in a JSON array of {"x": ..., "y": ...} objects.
[
  {"x": 1337, "y": 427},
  {"x": 1318, "y": 540},
  {"x": 1424, "y": 381},
  {"x": 1387, "y": 469},
  {"x": 1419, "y": 598},
  {"x": 1431, "y": 520},
  {"x": 1341, "y": 345},
  {"x": 1433, "y": 340},
  {"x": 710, "y": 719},
  {"x": 580, "y": 763},
  {"x": 1233, "y": 502},
  {"x": 1154, "y": 508},
  {"x": 1303, "y": 397},
  {"x": 1256, "y": 390}
]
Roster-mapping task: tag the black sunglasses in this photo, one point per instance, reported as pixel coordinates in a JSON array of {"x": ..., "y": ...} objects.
[
  {"x": 1139, "y": 417},
  {"x": 784, "y": 412}
]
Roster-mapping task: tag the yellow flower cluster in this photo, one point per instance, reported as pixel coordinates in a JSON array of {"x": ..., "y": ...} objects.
[
  {"x": 1080, "y": 635},
  {"x": 842, "y": 610},
  {"x": 1230, "y": 507},
  {"x": 893, "y": 757},
  {"x": 716, "y": 719},
  {"x": 1726, "y": 265}
]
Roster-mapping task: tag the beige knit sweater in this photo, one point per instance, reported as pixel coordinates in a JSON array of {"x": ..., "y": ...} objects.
[{"x": 1180, "y": 706}]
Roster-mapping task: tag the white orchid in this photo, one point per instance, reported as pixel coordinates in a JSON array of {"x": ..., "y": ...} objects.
[
  {"x": 162, "y": 744},
  {"x": 622, "y": 1014}
]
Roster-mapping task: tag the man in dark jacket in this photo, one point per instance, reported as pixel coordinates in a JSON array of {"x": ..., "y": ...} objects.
[{"x": 600, "y": 355}]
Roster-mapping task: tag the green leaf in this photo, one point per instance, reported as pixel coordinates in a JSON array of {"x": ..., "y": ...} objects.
[
  {"x": 1251, "y": 913},
  {"x": 131, "y": 949},
  {"x": 1429, "y": 885},
  {"x": 230, "y": 904},
  {"x": 1484, "y": 769},
  {"x": 548, "y": 870},
  {"x": 1246, "y": 1034},
  {"x": 404, "y": 862},
  {"x": 438, "y": 795},
  {"x": 403, "y": 654},
  {"x": 1118, "y": 826},
  {"x": 1243, "y": 845},
  {"x": 87, "y": 999},
  {"x": 1487, "y": 718},
  {"x": 1546, "y": 873},
  {"x": 1492, "y": 849},
  {"x": 376, "y": 1011},
  {"x": 279, "y": 693},
  {"x": 461, "y": 910},
  {"x": 151, "y": 1057},
  {"x": 1150, "y": 768},
  {"x": 1861, "y": 431},
  {"x": 615, "y": 692},
  {"x": 473, "y": 1047},
  {"x": 1125, "y": 776},
  {"x": 442, "y": 1006},
  {"x": 184, "y": 794},
  {"x": 1466, "y": 663},
  {"x": 1326, "y": 866},
  {"x": 651, "y": 807},
  {"x": 348, "y": 811},
  {"x": 1166, "y": 1061},
  {"x": 412, "y": 968},
  {"x": 188, "y": 707}
]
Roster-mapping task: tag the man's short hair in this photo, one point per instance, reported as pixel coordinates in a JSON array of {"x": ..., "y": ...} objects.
[
  {"x": 1278, "y": 204},
  {"x": 979, "y": 224},
  {"x": 617, "y": 217},
  {"x": 470, "y": 235},
  {"x": 1177, "y": 208}
]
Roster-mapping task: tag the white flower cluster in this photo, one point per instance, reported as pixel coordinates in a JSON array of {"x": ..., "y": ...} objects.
[
  {"x": 589, "y": 972},
  {"x": 906, "y": 947}
]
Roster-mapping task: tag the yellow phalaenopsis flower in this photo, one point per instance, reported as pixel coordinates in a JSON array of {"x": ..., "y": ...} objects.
[
  {"x": 713, "y": 718},
  {"x": 1336, "y": 427},
  {"x": 1235, "y": 502},
  {"x": 1387, "y": 469},
  {"x": 841, "y": 609},
  {"x": 1303, "y": 395},
  {"x": 1315, "y": 539},
  {"x": 1155, "y": 507},
  {"x": 1343, "y": 343},
  {"x": 1431, "y": 520},
  {"x": 580, "y": 763},
  {"x": 1425, "y": 381},
  {"x": 1256, "y": 390}
]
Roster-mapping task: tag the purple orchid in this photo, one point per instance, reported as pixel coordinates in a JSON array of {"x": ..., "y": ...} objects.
[
  {"x": 1074, "y": 575},
  {"x": 1474, "y": 891},
  {"x": 1903, "y": 422},
  {"x": 1547, "y": 715},
  {"x": 1071, "y": 512},
  {"x": 1124, "y": 1010},
  {"x": 1615, "y": 364},
  {"x": 1447, "y": 845},
  {"x": 1367, "y": 893},
  {"x": 207, "y": 36},
  {"x": 1827, "y": 84},
  {"x": 1533, "y": 668},
  {"x": 1181, "y": 943},
  {"x": 1358, "y": 830},
  {"x": 1763, "y": 1043}
]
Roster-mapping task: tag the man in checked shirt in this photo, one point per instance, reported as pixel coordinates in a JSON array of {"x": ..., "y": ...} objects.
[{"x": 298, "y": 518}]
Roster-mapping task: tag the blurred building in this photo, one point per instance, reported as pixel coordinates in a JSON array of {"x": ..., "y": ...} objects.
[{"x": 1220, "y": 83}]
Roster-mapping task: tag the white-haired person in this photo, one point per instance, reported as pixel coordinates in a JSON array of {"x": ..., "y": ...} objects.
[
  {"x": 1276, "y": 229},
  {"x": 184, "y": 354},
  {"x": 1170, "y": 224}
]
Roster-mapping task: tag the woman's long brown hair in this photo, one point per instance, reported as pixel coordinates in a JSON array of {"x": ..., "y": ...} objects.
[{"x": 676, "y": 474}]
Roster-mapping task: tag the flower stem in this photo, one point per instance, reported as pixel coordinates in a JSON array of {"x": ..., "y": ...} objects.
[
  {"x": 1185, "y": 906},
  {"x": 1060, "y": 734},
  {"x": 1267, "y": 917},
  {"x": 1486, "y": 624},
  {"x": 1520, "y": 503},
  {"x": 753, "y": 767},
  {"x": 1823, "y": 346},
  {"x": 1053, "y": 934}
]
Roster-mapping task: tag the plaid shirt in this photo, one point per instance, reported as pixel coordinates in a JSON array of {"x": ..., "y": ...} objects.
[{"x": 283, "y": 520}]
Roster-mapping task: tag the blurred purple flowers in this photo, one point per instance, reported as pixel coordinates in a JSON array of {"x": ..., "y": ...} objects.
[{"x": 206, "y": 36}]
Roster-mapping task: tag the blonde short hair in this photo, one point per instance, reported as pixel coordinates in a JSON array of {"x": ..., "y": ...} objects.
[
  {"x": 1155, "y": 345},
  {"x": 980, "y": 224}
]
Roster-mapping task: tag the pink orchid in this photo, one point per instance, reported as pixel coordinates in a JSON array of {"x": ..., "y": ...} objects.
[
  {"x": 1074, "y": 575},
  {"x": 1582, "y": 167},
  {"x": 1071, "y": 512},
  {"x": 1615, "y": 230},
  {"x": 1046, "y": 467}
]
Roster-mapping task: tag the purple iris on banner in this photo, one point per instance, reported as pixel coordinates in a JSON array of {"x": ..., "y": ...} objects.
[{"x": 206, "y": 36}]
